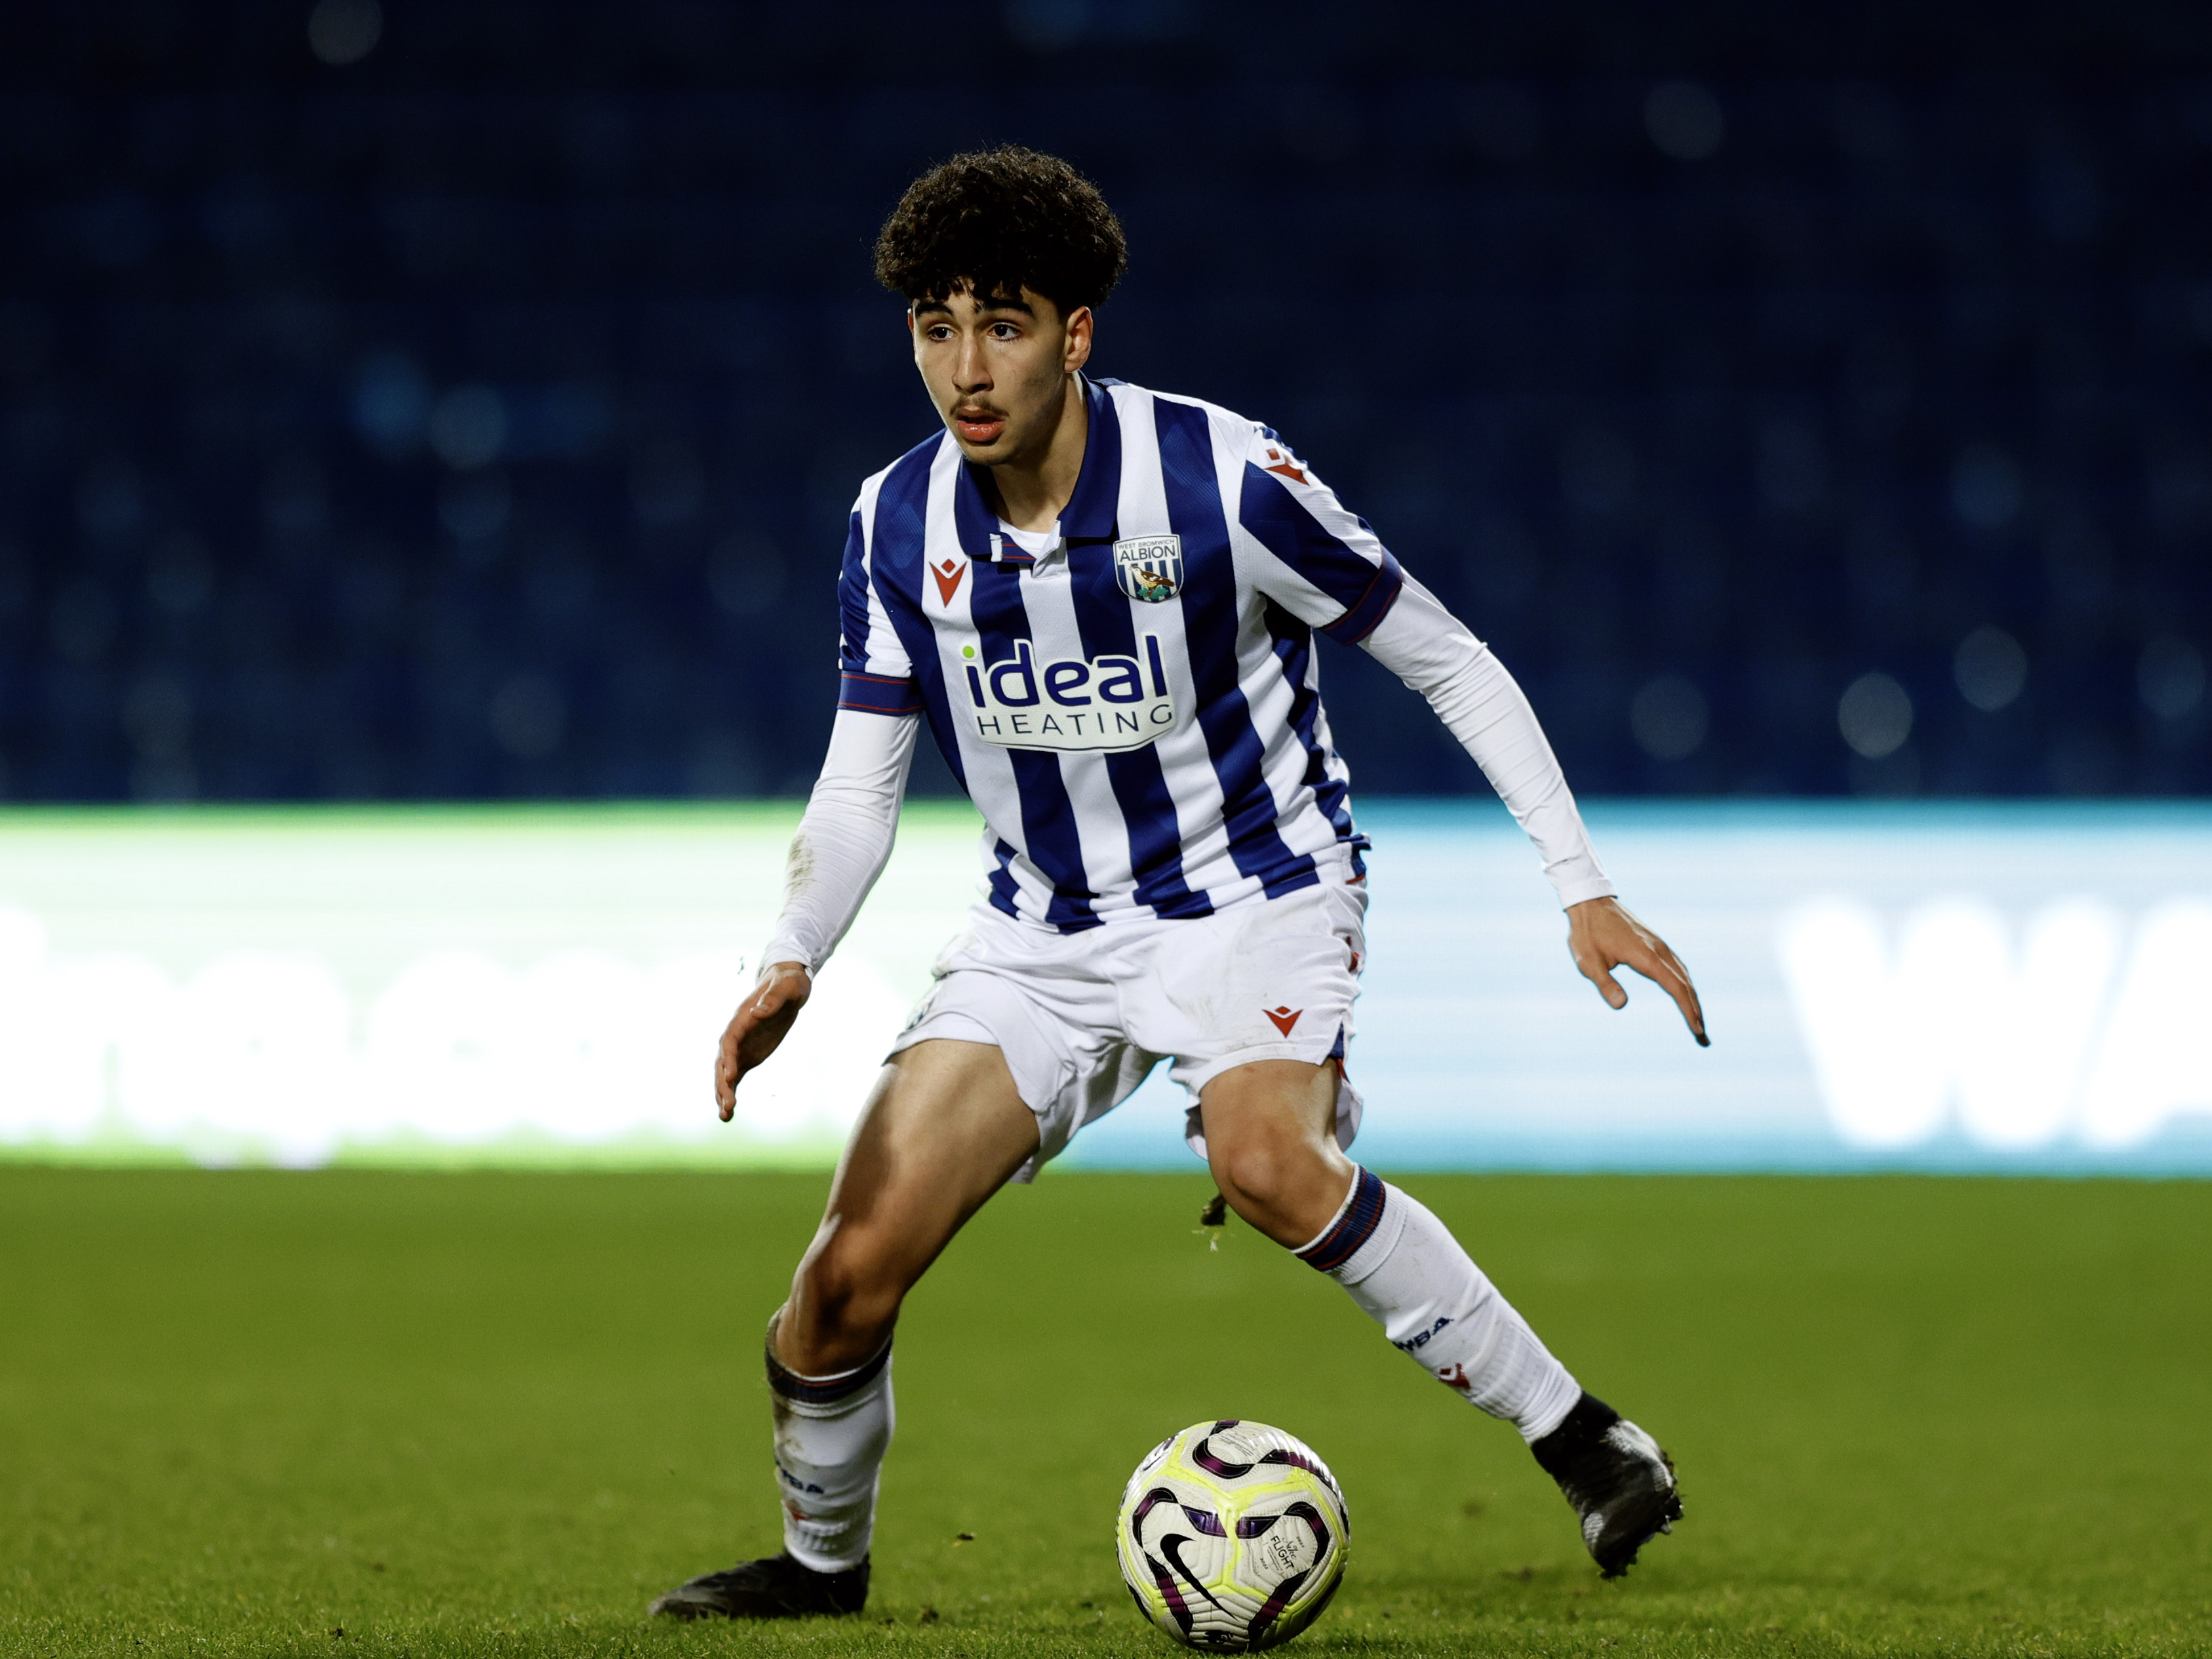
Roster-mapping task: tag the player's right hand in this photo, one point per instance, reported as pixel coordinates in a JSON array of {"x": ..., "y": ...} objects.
[{"x": 758, "y": 1026}]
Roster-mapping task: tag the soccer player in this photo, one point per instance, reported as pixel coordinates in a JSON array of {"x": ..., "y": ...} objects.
[{"x": 1103, "y": 600}]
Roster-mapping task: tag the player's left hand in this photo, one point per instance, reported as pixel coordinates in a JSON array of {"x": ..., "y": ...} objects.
[{"x": 1602, "y": 935}]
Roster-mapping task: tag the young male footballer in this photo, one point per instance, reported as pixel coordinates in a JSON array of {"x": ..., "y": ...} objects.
[{"x": 1103, "y": 601}]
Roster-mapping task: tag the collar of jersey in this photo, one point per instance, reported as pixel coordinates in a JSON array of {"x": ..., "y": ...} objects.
[{"x": 1088, "y": 518}]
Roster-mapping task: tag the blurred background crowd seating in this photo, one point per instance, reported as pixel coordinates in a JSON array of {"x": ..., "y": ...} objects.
[{"x": 465, "y": 399}]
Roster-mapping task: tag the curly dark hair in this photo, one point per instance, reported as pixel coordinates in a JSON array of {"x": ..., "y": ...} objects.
[{"x": 996, "y": 221}]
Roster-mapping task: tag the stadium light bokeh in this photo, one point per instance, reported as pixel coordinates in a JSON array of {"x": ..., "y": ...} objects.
[{"x": 414, "y": 402}]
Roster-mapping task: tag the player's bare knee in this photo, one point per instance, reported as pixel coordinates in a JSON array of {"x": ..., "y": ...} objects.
[
  {"x": 1254, "y": 1173},
  {"x": 847, "y": 1302},
  {"x": 1281, "y": 1182},
  {"x": 845, "y": 1293}
]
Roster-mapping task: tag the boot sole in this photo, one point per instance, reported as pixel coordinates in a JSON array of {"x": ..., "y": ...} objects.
[{"x": 1657, "y": 1517}]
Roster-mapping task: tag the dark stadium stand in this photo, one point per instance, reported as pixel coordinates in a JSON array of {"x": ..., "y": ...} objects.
[{"x": 474, "y": 412}]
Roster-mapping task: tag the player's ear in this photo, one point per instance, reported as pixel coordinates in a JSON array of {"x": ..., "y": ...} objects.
[{"x": 1076, "y": 350}]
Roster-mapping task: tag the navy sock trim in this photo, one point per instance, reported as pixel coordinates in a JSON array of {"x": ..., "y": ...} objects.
[
  {"x": 1353, "y": 1227},
  {"x": 823, "y": 1390}
]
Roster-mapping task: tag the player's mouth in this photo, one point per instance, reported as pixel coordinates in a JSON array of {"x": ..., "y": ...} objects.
[{"x": 979, "y": 426}]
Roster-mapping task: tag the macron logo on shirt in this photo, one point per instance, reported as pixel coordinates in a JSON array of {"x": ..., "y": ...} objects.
[{"x": 1071, "y": 703}]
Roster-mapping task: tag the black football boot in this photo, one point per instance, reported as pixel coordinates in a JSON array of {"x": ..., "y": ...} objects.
[
  {"x": 1620, "y": 1483},
  {"x": 774, "y": 1586}
]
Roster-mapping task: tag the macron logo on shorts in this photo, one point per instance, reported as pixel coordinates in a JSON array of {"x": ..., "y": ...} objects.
[{"x": 1283, "y": 1018}]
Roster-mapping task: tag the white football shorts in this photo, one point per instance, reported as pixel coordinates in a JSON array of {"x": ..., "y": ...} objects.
[{"x": 1082, "y": 1018}]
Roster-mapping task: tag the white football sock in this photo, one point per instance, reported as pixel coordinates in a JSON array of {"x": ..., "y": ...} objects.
[
  {"x": 831, "y": 1433},
  {"x": 1405, "y": 1269}
]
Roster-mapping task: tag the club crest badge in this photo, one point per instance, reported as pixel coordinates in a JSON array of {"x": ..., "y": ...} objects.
[{"x": 1149, "y": 568}]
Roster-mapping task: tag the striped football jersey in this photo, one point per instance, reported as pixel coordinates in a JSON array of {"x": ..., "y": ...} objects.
[{"x": 1133, "y": 703}]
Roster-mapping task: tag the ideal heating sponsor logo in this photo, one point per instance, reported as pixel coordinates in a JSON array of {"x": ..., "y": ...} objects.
[{"x": 1071, "y": 704}]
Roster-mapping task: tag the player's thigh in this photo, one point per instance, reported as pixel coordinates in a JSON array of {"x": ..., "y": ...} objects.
[
  {"x": 1270, "y": 1142},
  {"x": 943, "y": 1129}
]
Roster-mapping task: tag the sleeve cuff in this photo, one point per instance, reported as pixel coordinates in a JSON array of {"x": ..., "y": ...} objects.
[
  {"x": 1579, "y": 888},
  {"x": 879, "y": 694},
  {"x": 783, "y": 948}
]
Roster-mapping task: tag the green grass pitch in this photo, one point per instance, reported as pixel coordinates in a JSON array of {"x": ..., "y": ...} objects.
[{"x": 463, "y": 1414}]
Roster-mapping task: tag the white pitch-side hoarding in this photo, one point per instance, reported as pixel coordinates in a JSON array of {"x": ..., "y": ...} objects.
[{"x": 2003, "y": 987}]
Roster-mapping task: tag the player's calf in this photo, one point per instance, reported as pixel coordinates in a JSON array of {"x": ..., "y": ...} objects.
[
  {"x": 831, "y": 1433},
  {"x": 1401, "y": 1265}
]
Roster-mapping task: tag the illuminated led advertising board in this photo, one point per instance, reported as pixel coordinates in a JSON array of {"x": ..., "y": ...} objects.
[{"x": 2015, "y": 988}]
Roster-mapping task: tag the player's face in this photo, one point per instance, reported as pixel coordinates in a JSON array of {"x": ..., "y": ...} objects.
[{"x": 997, "y": 369}]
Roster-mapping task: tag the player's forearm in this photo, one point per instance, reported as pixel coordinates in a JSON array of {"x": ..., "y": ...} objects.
[
  {"x": 845, "y": 838},
  {"x": 1484, "y": 707}
]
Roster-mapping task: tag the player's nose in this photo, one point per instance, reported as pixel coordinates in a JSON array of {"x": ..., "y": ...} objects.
[{"x": 969, "y": 370}]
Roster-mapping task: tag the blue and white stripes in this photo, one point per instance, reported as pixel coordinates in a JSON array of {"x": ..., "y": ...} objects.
[{"x": 1141, "y": 729}]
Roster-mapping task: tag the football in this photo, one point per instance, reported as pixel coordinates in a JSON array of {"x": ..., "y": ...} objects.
[{"x": 1233, "y": 1535}]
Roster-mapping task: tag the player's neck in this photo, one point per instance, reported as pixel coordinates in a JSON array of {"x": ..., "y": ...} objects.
[{"x": 1033, "y": 490}]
